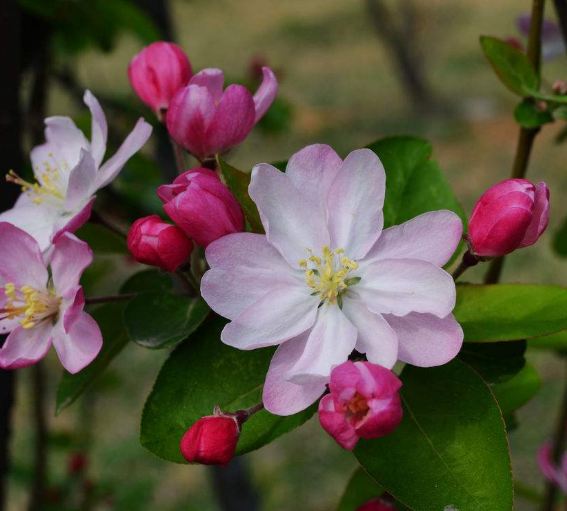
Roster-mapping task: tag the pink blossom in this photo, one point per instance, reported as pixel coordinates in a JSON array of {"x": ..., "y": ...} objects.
[
  {"x": 207, "y": 121},
  {"x": 39, "y": 310},
  {"x": 512, "y": 214},
  {"x": 158, "y": 72},
  {"x": 325, "y": 279},
  {"x": 157, "y": 243},
  {"x": 202, "y": 206},
  {"x": 377, "y": 505},
  {"x": 68, "y": 170},
  {"x": 555, "y": 473},
  {"x": 364, "y": 403}
]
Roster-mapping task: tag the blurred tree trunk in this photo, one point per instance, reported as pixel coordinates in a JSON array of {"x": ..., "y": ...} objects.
[
  {"x": 398, "y": 34},
  {"x": 10, "y": 157}
]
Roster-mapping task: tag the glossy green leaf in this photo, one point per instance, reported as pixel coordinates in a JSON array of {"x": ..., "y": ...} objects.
[
  {"x": 555, "y": 342},
  {"x": 528, "y": 115},
  {"x": 360, "y": 489},
  {"x": 510, "y": 65},
  {"x": 148, "y": 280},
  {"x": 114, "y": 336},
  {"x": 450, "y": 451},
  {"x": 203, "y": 372},
  {"x": 507, "y": 312},
  {"x": 102, "y": 240},
  {"x": 238, "y": 182},
  {"x": 517, "y": 391},
  {"x": 542, "y": 96},
  {"x": 159, "y": 320},
  {"x": 496, "y": 362}
]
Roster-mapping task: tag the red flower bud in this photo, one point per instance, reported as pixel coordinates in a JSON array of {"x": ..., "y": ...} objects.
[
  {"x": 211, "y": 440},
  {"x": 157, "y": 243},
  {"x": 512, "y": 214},
  {"x": 376, "y": 505},
  {"x": 76, "y": 463},
  {"x": 202, "y": 206},
  {"x": 158, "y": 72}
]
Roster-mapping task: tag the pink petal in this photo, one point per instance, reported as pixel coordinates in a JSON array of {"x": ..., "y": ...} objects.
[
  {"x": 232, "y": 121},
  {"x": 279, "y": 315},
  {"x": 36, "y": 220},
  {"x": 375, "y": 336},
  {"x": 133, "y": 143},
  {"x": 329, "y": 344},
  {"x": 401, "y": 286},
  {"x": 212, "y": 79},
  {"x": 265, "y": 94},
  {"x": 66, "y": 139},
  {"x": 81, "y": 181},
  {"x": 376, "y": 381},
  {"x": 80, "y": 346},
  {"x": 64, "y": 224},
  {"x": 70, "y": 258},
  {"x": 280, "y": 396},
  {"x": 24, "y": 348},
  {"x": 6, "y": 324},
  {"x": 355, "y": 203},
  {"x": 540, "y": 216},
  {"x": 312, "y": 170},
  {"x": 432, "y": 237},
  {"x": 382, "y": 419},
  {"x": 336, "y": 425},
  {"x": 284, "y": 212},
  {"x": 344, "y": 382},
  {"x": 99, "y": 129},
  {"x": 426, "y": 340},
  {"x": 21, "y": 262},
  {"x": 72, "y": 305}
]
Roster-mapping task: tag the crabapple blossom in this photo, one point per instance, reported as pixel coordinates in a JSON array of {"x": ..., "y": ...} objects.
[
  {"x": 326, "y": 280},
  {"x": 512, "y": 214},
  {"x": 157, "y": 243},
  {"x": 158, "y": 72},
  {"x": 207, "y": 121},
  {"x": 38, "y": 308},
  {"x": 363, "y": 403},
  {"x": 68, "y": 170},
  {"x": 556, "y": 473},
  {"x": 202, "y": 206}
]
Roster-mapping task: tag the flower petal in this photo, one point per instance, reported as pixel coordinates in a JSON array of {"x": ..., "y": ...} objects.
[
  {"x": 375, "y": 336},
  {"x": 70, "y": 223},
  {"x": 24, "y": 348},
  {"x": 329, "y": 344},
  {"x": 312, "y": 171},
  {"x": 401, "y": 286},
  {"x": 355, "y": 203},
  {"x": 80, "y": 346},
  {"x": 334, "y": 422},
  {"x": 212, "y": 79},
  {"x": 426, "y": 340},
  {"x": 37, "y": 220},
  {"x": 540, "y": 216},
  {"x": 66, "y": 139},
  {"x": 70, "y": 258},
  {"x": 81, "y": 181},
  {"x": 280, "y": 396},
  {"x": 21, "y": 262},
  {"x": 292, "y": 222},
  {"x": 99, "y": 129},
  {"x": 133, "y": 143},
  {"x": 279, "y": 315},
  {"x": 432, "y": 237},
  {"x": 265, "y": 94}
]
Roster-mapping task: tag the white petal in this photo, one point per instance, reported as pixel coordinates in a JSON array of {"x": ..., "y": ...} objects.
[
  {"x": 37, "y": 220},
  {"x": 81, "y": 182},
  {"x": 66, "y": 139},
  {"x": 99, "y": 129}
]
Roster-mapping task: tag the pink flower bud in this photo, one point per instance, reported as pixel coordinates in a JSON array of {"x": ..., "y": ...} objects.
[
  {"x": 157, "y": 243},
  {"x": 363, "y": 403},
  {"x": 158, "y": 72},
  {"x": 512, "y": 214},
  {"x": 207, "y": 121},
  {"x": 211, "y": 440},
  {"x": 77, "y": 463},
  {"x": 376, "y": 505},
  {"x": 202, "y": 206},
  {"x": 552, "y": 471}
]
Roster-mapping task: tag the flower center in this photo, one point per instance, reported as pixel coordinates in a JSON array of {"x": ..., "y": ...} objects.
[
  {"x": 29, "y": 304},
  {"x": 358, "y": 406},
  {"x": 328, "y": 275}
]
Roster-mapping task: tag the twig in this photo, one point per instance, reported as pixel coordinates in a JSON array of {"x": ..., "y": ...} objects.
[
  {"x": 98, "y": 219},
  {"x": 467, "y": 262},
  {"x": 561, "y": 10},
  {"x": 111, "y": 298}
]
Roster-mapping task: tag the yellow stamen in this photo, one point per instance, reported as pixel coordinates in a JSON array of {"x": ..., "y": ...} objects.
[
  {"x": 48, "y": 178},
  {"x": 29, "y": 304}
]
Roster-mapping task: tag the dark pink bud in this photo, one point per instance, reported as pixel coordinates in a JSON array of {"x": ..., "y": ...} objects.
[
  {"x": 157, "y": 243},
  {"x": 202, "y": 206},
  {"x": 211, "y": 440},
  {"x": 516, "y": 43},
  {"x": 77, "y": 463},
  {"x": 363, "y": 403},
  {"x": 158, "y": 72},
  {"x": 207, "y": 121},
  {"x": 377, "y": 505},
  {"x": 512, "y": 214}
]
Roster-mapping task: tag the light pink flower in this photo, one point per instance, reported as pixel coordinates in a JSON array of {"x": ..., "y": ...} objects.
[
  {"x": 364, "y": 403},
  {"x": 69, "y": 171},
  {"x": 553, "y": 472},
  {"x": 38, "y": 309},
  {"x": 207, "y": 121},
  {"x": 326, "y": 280}
]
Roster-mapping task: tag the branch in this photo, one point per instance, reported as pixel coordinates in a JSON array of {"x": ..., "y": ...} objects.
[{"x": 561, "y": 10}]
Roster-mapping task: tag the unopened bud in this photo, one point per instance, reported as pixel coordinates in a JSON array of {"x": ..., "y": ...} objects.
[
  {"x": 559, "y": 87},
  {"x": 379, "y": 504},
  {"x": 77, "y": 463}
]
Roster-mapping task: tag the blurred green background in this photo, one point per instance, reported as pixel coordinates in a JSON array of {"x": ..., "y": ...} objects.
[{"x": 339, "y": 85}]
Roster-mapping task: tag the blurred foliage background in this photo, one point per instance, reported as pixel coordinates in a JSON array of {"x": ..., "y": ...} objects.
[{"x": 350, "y": 73}]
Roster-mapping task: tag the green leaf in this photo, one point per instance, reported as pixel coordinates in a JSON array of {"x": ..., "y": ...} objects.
[
  {"x": 238, "y": 182},
  {"x": 148, "y": 280},
  {"x": 451, "y": 447},
  {"x": 203, "y": 372},
  {"x": 516, "y": 392},
  {"x": 529, "y": 116},
  {"x": 102, "y": 240},
  {"x": 555, "y": 342},
  {"x": 158, "y": 320},
  {"x": 114, "y": 336},
  {"x": 542, "y": 96},
  {"x": 496, "y": 362},
  {"x": 510, "y": 65},
  {"x": 508, "y": 312}
]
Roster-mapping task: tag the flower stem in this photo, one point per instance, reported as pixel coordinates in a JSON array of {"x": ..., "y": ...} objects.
[
  {"x": 111, "y": 298},
  {"x": 561, "y": 10},
  {"x": 179, "y": 154},
  {"x": 98, "y": 219},
  {"x": 467, "y": 262},
  {"x": 526, "y": 136}
]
